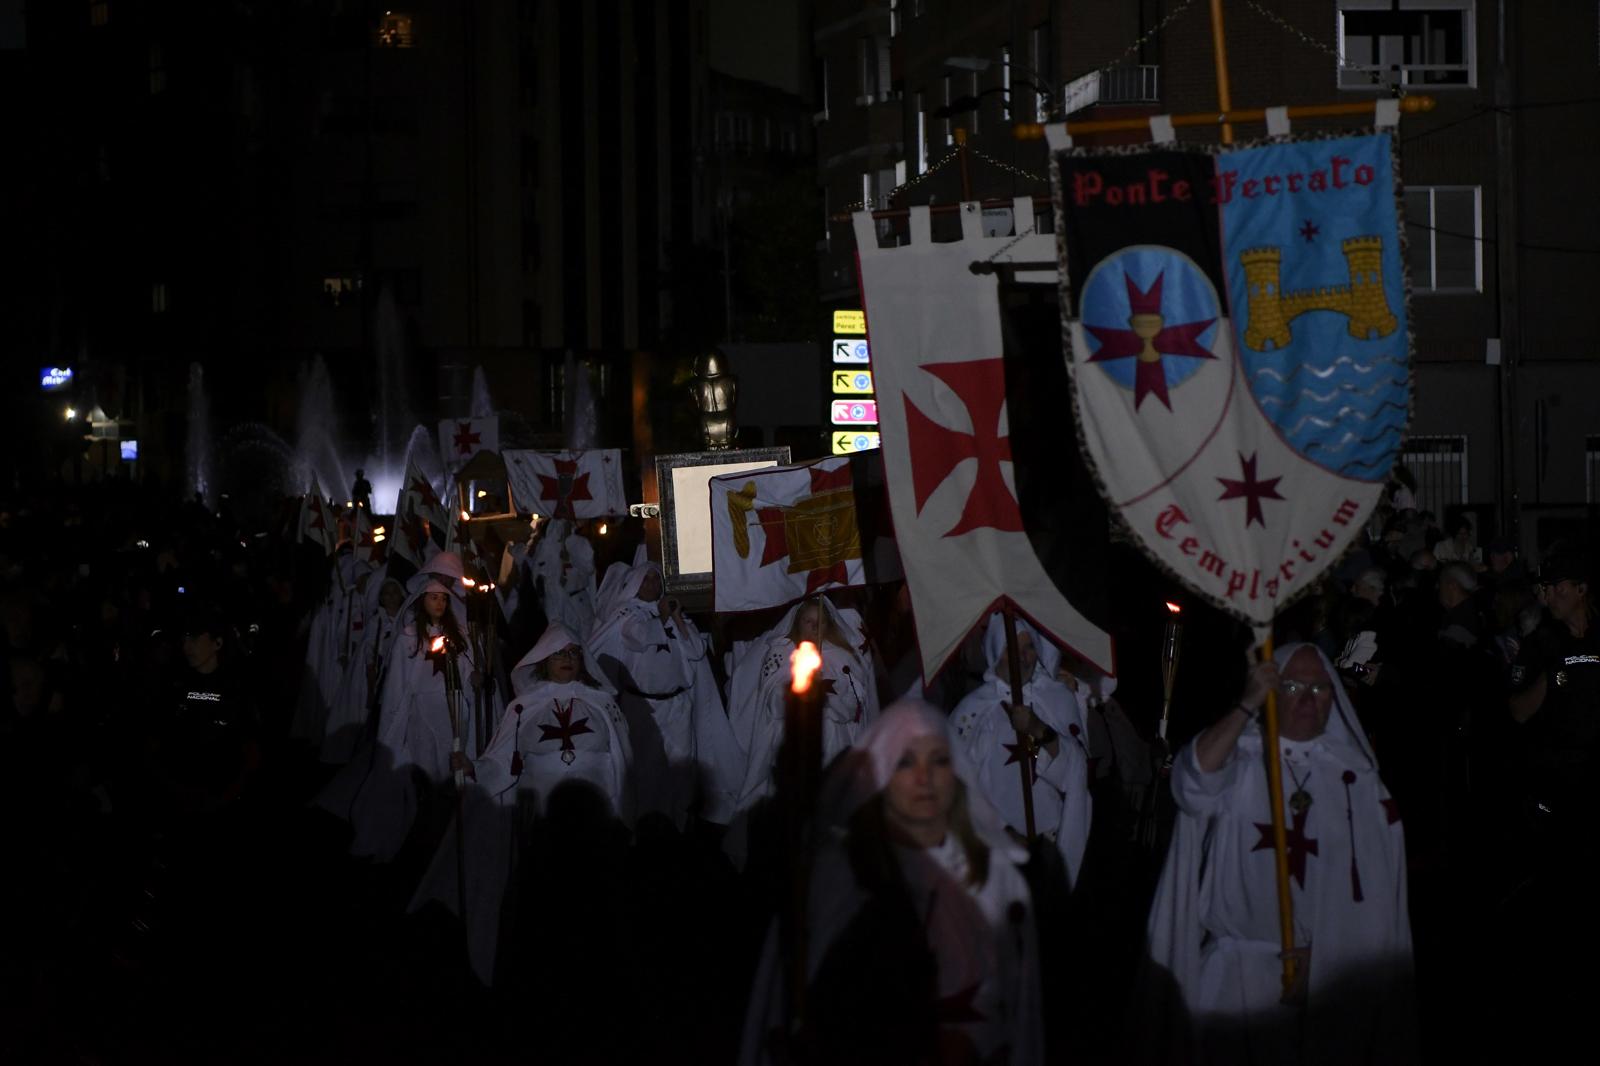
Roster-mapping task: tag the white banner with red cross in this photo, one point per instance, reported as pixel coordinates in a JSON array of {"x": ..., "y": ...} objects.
[
  {"x": 462, "y": 438},
  {"x": 937, "y": 357},
  {"x": 317, "y": 522},
  {"x": 574, "y": 485},
  {"x": 783, "y": 533},
  {"x": 417, "y": 511}
]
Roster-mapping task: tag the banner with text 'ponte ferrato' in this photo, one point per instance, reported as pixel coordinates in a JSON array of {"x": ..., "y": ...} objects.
[{"x": 1238, "y": 349}]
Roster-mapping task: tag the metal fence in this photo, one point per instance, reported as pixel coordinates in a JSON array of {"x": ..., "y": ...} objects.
[
  {"x": 1438, "y": 464},
  {"x": 1131, "y": 85}
]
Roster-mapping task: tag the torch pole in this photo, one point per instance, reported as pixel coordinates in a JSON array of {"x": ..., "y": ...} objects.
[
  {"x": 452, "y": 694},
  {"x": 1280, "y": 841},
  {"x": 1025, "y": 743},
  {"x": 802, "y": 727}
]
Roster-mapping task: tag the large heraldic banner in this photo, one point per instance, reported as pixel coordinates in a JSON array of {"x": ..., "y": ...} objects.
[{"x": 1239, "y": 351}]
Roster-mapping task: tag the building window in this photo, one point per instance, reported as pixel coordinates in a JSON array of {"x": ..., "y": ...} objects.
[
  {"x": 1591, "y": 469},
  {"x": 530, "y": 162},
  {"x": 1005, "y": 82},
  {"x": 1406, "y": 42},
  {"x": 1444, "y": 235},
  {"x": 1039, "y": 60},
  {"x": 394, "y": 30},
  {"x": 99, "y": 12},
  {"x": 530, "y": 324},
  {"x": 922, "y": 137},
  {"x": 977, "y": 102},
  {"x": 819, "y": 76},
  {"x": 788, "y": 139},
  {"x": 873, "y": 57},
  {"x": 894, "y": 18},
  {"x": 158, "y": 297},
  {"x": 158, "y": 70},
  {"x": 339, "y": 289},
  {"x": 530, "y": 246},
  {"x": 949, "y": 123},
  {"x": 1438, "y": 465}
]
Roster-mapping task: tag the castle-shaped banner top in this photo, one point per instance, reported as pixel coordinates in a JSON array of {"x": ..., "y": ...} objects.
[{"x": 1238, "y": 350}]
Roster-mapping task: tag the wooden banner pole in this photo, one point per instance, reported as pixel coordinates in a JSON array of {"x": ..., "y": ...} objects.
[
  {"x": 1415, "y": 104},
  {"x": 1280, "y": 840},
  {"x": 1219, "y": 51}
]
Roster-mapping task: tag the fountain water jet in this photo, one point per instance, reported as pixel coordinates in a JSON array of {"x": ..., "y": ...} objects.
[{"x": 197, "y": 446}]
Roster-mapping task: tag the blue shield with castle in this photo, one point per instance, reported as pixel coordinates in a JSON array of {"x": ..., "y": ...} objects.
[{"x": 1316, "y": 279}]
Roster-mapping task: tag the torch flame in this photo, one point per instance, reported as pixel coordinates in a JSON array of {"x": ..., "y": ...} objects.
[
  {"x": 1174, "y": 608},
  {"x": 465, "y": 517},
  {"x": 467, "y": 581},
  {"x": 803, "y": 666},
  {"x": 437, "y": 645}
]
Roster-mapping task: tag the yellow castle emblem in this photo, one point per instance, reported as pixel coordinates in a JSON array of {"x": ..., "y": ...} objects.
[{"x": 1363, "y": 301}]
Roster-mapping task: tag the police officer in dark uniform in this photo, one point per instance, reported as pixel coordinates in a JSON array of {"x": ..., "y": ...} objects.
[
  {"x": 1555, "y": 694},
  {"x": 1547, "y": 922}
]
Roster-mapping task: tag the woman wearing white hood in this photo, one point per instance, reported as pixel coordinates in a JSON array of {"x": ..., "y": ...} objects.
[
  {"x": 756, "y": 691},
  {"x": 1214, "y": 921},
  {"x": 920, "y": 941},
  {"x": 563, "y": 728},
  {"x": 988, "y": 721},
  {"x": 414, "y": 716}
]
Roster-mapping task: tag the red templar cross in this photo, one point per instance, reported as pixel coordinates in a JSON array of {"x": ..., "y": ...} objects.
[
  {"x": 566, "y": 728},
  {"x": 425, "y": 491},
  {"x": 568, "y": 485},
  {"x": 936, "y": 450},
  {"x": 466, "y": 439},
  {"x": 1296, "y": 843}
]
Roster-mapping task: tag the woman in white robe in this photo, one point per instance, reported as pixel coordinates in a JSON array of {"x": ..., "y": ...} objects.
[
  {"x": 756, "y": 691},
  {"x": 1062, "y": 809},
  {"x": 920, "y": 943},
  {"x": 563, "y": 729},
  {"x": 415, "y": 733},
  {"x": 1214, "y": 921}
]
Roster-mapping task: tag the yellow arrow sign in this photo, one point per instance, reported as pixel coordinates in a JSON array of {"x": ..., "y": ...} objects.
[
  {"x": 861, "y": 441},
  {"x": 852, "y": 382},
  {"x": 850, "y": 322}
]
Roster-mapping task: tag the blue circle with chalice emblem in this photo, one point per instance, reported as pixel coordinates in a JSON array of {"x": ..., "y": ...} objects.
[{"x": 1138, "y": 278}]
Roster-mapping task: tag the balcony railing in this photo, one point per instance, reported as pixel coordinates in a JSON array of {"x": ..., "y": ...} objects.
[{"x": 1131, "y": 85}]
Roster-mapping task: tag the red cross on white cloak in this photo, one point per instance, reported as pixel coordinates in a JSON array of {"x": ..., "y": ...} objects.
[
  {"x": 1296, "y": 843},
  {"x": 565, "y": 729}
]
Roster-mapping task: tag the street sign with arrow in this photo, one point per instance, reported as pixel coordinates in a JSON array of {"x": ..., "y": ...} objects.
[{"x": 852, "y": 382}]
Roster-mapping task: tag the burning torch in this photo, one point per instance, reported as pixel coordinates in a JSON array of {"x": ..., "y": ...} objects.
[
  {"x": 441, "y": 649},
  {"x": 802, "y": 730},
  {"x": 1171, "y": 645}
]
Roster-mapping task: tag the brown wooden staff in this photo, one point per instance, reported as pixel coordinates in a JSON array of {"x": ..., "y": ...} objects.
[{"x": 1026, "y": 746}]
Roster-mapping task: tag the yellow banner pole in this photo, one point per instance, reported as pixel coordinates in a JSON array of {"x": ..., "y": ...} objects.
[
  {"x": 1219, "y": 51},
  {"x": 1280, "y": 838},
  {"x": 1409, "y": 105}
]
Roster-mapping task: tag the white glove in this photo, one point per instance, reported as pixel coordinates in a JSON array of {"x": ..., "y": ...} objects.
[{"x": 1359, "y": 650}]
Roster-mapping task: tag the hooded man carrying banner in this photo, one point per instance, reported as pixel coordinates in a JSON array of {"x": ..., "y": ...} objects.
[{"x": 1240, "y": 368}]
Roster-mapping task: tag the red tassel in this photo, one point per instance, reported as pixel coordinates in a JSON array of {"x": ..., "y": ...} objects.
[
  {"x": 516, "y": 749},
  {"x": 1350, "y": 821}
]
